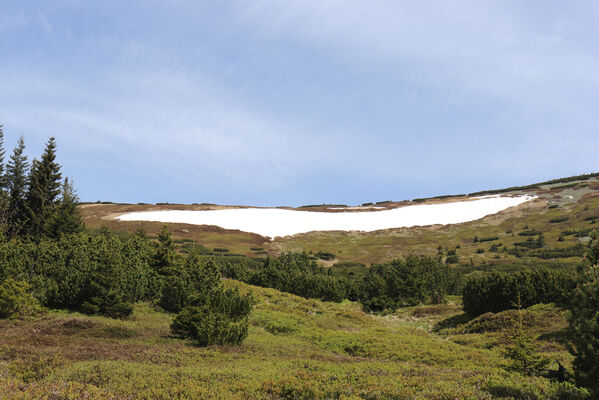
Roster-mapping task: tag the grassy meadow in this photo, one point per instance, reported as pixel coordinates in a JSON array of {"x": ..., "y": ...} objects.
[{"x": 296, "y": 349}]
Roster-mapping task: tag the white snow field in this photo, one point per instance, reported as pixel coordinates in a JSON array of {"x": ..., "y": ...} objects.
[{"x": 274, "y": 222}]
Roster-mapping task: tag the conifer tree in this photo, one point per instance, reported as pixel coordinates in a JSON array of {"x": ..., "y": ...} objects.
[
  {"x": 66, "y": 217},
  {"x": 2, "y": 154},
  {"x": 164, "y": 259},
  {"x": 3, "y": 192},
  {"x": 44, "y": 189},
  {"x": 584, "y": 323},
  {"x": 16, "y": 185},
  {"x": 521, "y": 349}
]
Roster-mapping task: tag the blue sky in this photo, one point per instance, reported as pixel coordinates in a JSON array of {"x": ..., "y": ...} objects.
[{"x": 300, "y": 102}]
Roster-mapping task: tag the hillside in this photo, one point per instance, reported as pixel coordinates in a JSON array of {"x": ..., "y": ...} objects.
[
  {"x": 296, "y": 349},
  {"x": 564, "y": 212}
]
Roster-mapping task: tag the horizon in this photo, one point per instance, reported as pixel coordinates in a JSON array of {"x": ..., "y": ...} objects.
[{"x": 295, "y": 103}]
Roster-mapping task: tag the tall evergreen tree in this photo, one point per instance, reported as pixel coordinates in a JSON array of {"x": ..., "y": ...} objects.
[
  {"x": 3, "y": 192},
  {"x": 44, "y": 189},
  {"x": 16, "y": 185},
  {"x": 66, "y": 217},
  {"x": 583, "y": 330},
  {"x": 2, "y": 154},
  {"x": 165, "y": 257}
]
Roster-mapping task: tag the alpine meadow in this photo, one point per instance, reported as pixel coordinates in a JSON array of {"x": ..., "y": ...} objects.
[{"x": 299, "y": 200}]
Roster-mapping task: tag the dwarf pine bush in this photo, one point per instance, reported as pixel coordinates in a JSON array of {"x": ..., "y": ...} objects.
[
  {"x": 217, "y": 317},
  {"x": 16, "y": 300}
]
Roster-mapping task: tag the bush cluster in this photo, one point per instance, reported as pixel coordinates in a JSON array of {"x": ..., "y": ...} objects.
[
  {"x": 501, "y": 291},
  {"x": 405, "y": 282}
]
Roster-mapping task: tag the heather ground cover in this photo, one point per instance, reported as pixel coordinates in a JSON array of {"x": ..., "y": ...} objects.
[{"x": 296, "y": 349}]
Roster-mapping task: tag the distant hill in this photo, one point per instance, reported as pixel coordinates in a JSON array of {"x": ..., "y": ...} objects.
[{"x": 553, "y": 229}]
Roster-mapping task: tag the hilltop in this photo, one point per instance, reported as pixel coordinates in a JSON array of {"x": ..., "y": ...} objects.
[{"x": 563, "y": 213}]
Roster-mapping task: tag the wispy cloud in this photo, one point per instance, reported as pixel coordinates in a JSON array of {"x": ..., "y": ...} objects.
[{"x": 303, "y": 100}]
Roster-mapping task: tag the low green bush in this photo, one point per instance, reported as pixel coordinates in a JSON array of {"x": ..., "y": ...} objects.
[
  {"x": 17, "y": 301},
  {"x": 216, "y": 318}
]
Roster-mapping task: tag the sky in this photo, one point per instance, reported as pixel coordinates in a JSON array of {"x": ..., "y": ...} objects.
[{"x": 293, "y": 102}]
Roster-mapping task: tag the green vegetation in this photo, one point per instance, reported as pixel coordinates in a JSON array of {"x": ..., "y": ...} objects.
[
  {"x": 129, "y": 315},
  {"x": 501, "y": 291},
  {"x": 295, "y": 348},
  {"x": 17, "y": 301},
  {"x": 584, "y": 177},
  {"x": 45, "y": 257},
  {"x": 411, "y": 281},
  {"x": 584, "y": 324}
]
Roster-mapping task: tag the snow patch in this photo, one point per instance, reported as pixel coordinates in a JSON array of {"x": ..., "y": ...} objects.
[{"x": 274, "y": 222}]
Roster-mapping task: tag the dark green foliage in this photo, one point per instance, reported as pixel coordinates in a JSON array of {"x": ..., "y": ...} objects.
[
  {"x": 405, "y": 282},
  {"x": 16, "y": 300},
  {"x": 533, "y": 243},
  {"x": 558, "y": 252},
  {"x": 175, "y": 291},
  {"x": 325, "y": 256},
  {"x": 381, "y": 287},
  {"x": 495, "y": 247},
  {"x": 485, "y": 239},
  {"x": 529, "y": 233},
  {"x": 521, "y": 349},
  {"x": 164, "y": 257},
  {"x": 452, "y": 259},
  {"x": 500, "y": 291},
  {"x": 3, "y": 187},
  {"x": 297, "y": 274},
  {"x": 42, "y": 193},
  {"x": 16, "y": 187},
  {"x": 558, "y": 220},
  {"x": 215, "y": 317},
  {"x": 33, "y": 203},
  {"x": 537, "y": 185},
  {"x": 89, "y": 273},
  {"x": 583, "y": 330},
  {"x": 66, "y": 217}
]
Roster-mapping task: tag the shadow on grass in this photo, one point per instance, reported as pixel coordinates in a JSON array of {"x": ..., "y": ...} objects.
[{"x": 452, "y": 322}]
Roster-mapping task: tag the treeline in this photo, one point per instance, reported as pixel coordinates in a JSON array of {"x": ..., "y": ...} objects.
[
  {"x": 47, "y": 259},
  {"x": 35, "y": 202},
  {"x": 584, "y": 177},
  {"x": 101, "y": 274}
]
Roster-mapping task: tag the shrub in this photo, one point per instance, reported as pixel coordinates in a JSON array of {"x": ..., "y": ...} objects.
[
  {"x": 175, "y": 293},
  {"x": 216, "y": 318},
  {"x": 584, "y": 325},
  {"x": 521, "y": 350},
  {"x": 325, "y": 256},
  {"x": 500, "y": 291},
  {"x": 16, "y": 300},
  {"x": 405, "y": 282},
  {"x": 452, "y": 259}
]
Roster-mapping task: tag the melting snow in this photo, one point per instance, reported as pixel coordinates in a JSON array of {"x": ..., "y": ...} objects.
[{"x": 279, "y": 222}]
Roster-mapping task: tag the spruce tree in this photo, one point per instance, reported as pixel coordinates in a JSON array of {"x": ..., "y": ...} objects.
[
  {"x": 3, "y": 191},
  {"x": 2, "y": 154},
  {"x": 164, "y": 258},
  {"x": 583, "y": 330},
  {"x": 44, "y": 189},
  {"x": 16, "y": 185},
  {"x": 66, "y": 217}
]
